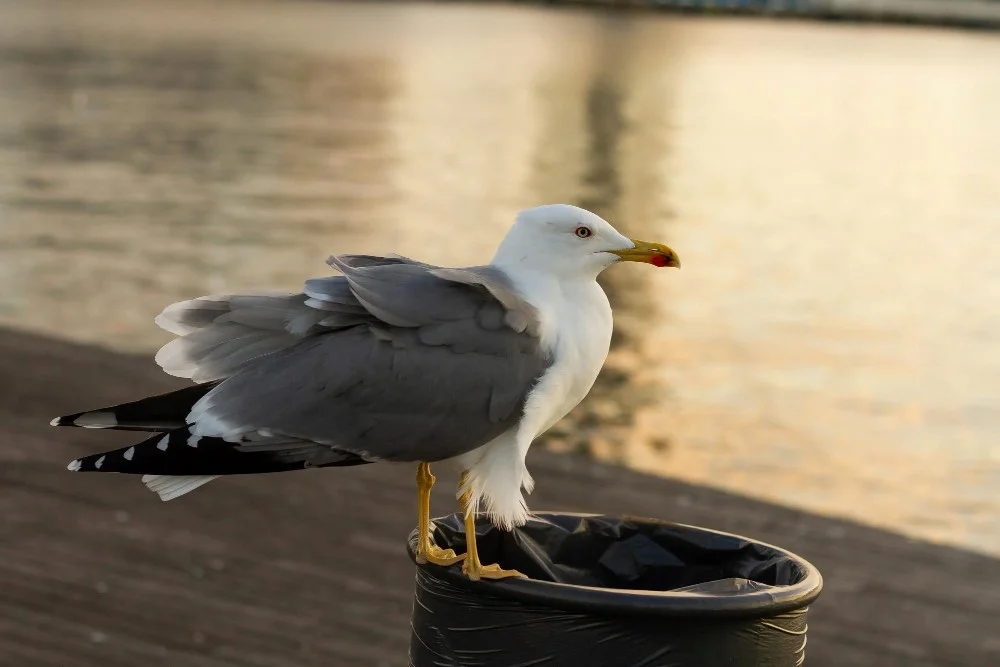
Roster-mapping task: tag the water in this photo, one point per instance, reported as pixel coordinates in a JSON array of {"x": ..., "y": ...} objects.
[{"x": 830, "y": 342}]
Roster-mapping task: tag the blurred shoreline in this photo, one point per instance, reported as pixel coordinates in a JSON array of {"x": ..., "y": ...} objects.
[{"x": 979, "y": 14}]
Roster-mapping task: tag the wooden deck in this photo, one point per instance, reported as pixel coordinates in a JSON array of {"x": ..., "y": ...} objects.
[{"x": 275, "y": 571}]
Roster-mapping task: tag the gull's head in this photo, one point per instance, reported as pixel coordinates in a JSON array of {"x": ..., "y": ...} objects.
[{"x": 572, "y": 242}]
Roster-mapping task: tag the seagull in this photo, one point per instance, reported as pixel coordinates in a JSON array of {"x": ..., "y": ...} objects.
[{"x": 392, "y": 360}]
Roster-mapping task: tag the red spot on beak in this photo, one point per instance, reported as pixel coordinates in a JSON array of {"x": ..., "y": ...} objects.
[{"x": 658, "y": 260}]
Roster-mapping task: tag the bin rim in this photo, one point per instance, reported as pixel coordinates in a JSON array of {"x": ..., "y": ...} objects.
[{"x": 604, "y": 601}]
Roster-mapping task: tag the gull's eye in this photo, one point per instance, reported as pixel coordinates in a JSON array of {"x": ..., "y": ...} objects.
[{"x": 583, "y": 232}]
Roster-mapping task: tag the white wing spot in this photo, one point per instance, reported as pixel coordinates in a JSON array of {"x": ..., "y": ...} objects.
[
  {"x": 193, "y": 440},
  {"x": 129, "y": 453},
  {"x": 74, "y": 465},
  {"x": 97, "y": 419},
  {"x": 99, "y": 462},
  {"x": 163, "y": 443},
  {"x": 55, "y": 422}
]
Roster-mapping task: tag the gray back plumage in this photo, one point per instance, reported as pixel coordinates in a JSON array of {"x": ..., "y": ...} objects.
[{"x": 393, "y": 360}]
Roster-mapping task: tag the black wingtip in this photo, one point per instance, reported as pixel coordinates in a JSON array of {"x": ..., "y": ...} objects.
[
  {"x": 116, "y": 460},
  {"x": 179, "y": 453},
  {"x": 69, "y": 420},
  {"x": 89, "y": 419},
  {"x": 160, "y": 413}
]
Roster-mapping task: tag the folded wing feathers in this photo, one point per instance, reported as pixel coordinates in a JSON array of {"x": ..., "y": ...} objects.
[
  {"x": 221, "y": 334},
  {"x": 216, "y": 352},
  {"x": 520, "y": 316},
  {"x": 184, "y": 317},
  {"x": 413, "y": 294}
]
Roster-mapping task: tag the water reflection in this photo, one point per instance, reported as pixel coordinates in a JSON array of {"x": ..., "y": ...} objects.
[
  {"x": 829, "y": 189},
  {"x": 151, "y": 172},
  {"x": 594, "y": 92}
]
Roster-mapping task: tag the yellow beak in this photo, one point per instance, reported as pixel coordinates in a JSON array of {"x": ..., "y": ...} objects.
[{"x": 656, "y": 254}]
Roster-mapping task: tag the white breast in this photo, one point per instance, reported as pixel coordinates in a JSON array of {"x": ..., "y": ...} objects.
[
  {"x": 576, "y": 330},
  {"x": 578, "y": 333},
  {"x": 579, "y": 347}
]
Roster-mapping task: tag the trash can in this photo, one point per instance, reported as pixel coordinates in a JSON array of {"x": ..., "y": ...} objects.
[{"x": 607, "y": 591}]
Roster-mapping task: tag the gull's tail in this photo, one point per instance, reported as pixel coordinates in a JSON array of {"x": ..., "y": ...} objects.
[{"x": 173, "y": 461}]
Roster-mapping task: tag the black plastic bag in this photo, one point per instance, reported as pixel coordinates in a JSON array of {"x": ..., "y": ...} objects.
[{"x": 612, "y": 592}]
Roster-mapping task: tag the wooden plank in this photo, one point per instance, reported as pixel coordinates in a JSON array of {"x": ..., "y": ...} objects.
[{"x": 276, "y": 571}]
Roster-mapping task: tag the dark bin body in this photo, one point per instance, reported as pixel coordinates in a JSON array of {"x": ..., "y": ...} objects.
[{"x": 612, "y": 592}]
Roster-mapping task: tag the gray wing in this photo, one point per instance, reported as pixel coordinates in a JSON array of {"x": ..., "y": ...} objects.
[
  {"x": 416, "y": 363},
  {"x": 220, "y": 335}
]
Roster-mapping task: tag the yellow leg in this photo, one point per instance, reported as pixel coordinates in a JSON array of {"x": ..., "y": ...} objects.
[
  {"x": 426, "y": 551},
  {"x": 472, "y": 567}
]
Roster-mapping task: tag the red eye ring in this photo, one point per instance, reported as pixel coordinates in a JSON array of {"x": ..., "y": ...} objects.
[{"x": 583, "y": 232}]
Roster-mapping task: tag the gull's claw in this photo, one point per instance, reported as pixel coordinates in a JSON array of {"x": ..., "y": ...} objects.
[
  {"x": 438, "y": 556},
  {"x": 475, "y": 571}
]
